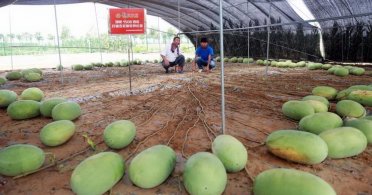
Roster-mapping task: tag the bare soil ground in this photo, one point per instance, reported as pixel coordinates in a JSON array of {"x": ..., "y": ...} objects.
[{"x": 182, "y": 111}]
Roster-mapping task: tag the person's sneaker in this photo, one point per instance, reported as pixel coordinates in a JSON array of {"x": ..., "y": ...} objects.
[
  {"x": 167, "y": 71},
  {"x": 180, "y": 71},
  {"x": 200, "y": 70}
]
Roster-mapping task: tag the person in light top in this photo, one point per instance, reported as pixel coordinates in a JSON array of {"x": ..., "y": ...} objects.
[
  {"x": 172, "y": 56},
  {"x": 204, "y": 56}
]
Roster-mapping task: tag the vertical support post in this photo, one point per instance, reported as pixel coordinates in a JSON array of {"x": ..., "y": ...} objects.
[
  {"x": 268, "y": 42},
  {"x": 4, "y": 46},
  {"x": 248, "y": 31},
  {"x": 98, "y": 34},
  {"x": 58, "y": 45},
  {"x": 131, "y": 46},
  {"x": 11, "y": 38},
  {"x": 342, "y": 45},
  {"x": 196, "y": 42},
  {"x": 129, "y": 60},
  {"x": 147, "y": 41},
  {"x": 129, "y": 63},
  {"x": 159, "y": 33},
  {"x": 179, "y": 16},
  {"x": 348, "y": 47},
  {"x": 363, "y": 35},
  {"x": 222, "y": 72}
]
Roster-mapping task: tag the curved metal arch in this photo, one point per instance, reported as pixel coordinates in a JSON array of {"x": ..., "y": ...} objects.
[
  {"x": 49, "y": 2},
  {"x": 214, "y": 13},
  {"x": 225, "y": 11},
  {"x": 184, "y": 12},
  {"x": 283, "y": 13},
  {"x": 242, "y": 12},
  {"x": 173, "y": 11}
]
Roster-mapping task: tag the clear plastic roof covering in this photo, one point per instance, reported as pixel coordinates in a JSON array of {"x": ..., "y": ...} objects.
[
  {"x": 202, "y": 14},
  {"x": 336, "y": 8},
  {"x": 199, "y": 14}
]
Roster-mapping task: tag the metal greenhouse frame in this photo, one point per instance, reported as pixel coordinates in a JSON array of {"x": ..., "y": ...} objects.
[{"x": 197, "y": 15}]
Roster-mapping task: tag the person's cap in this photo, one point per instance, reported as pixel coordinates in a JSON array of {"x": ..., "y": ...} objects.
[{"x": 203, "y": 40}]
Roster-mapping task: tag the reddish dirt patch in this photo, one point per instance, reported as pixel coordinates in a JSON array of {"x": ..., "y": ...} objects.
[{"x": 183, "y": 111}]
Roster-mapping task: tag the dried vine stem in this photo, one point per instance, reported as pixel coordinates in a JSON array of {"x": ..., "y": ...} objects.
[
  {"x": 157, "y": 110},
  {"x": 251, "y": 140},
  {"x": 149, "y": 136},
  {"x": 249, "y": 175},
  {"x": 179, "y": 124},
  {"x": 206, "y": 126},
  {"x": 185, "y": 139},
  {"x": 58, "y": 162}
]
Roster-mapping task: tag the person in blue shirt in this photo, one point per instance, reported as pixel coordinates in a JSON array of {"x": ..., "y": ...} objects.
[{"x": 204, "y": 56}]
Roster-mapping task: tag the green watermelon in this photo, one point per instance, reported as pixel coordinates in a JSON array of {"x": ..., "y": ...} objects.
[
  {"x": 297, "y": 109},
  {"x": 152, "y": 166},
  {"x": 318, "y": 106},
  {"x": 57, "y": 133},
  {"x": 119, "y": 134},
  {"x": 325, "y": 91},
  {"x": 7, "y": 97},
  {"x": 32, "y": 93},
  {"x": 33, "y": 77},
  {"x": 16, "y": 75},
  {"x": 297, "y": 146},
  {"x": 344, "y": 142},
  {"x": 363, "y": 97},
  {"x": 23, "y": 109},
  {"x": 20, "y": 158},
  {"x": 47, "y": 106},
  {"x": 320, "y": 122},
  {"x": 3, "y": 80},
  {"x": 317, "y": 98},
  {"x": 342, "y": 72},
  {"x": 66, "y": 111},
  {"x": 97, "y": 174},
  {"x": 364, "y": 125},
  {"x": 204, "y": 174},
  {"x": 282, "y": 181},
  {"x": 349, "y": 108},
  {"x": 231, "y": 152}
]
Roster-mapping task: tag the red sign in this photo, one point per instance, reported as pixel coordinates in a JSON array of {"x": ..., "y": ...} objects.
[{"x": 127, "y": 21}]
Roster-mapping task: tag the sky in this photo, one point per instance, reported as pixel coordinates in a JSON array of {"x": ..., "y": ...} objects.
[
  {"x": 80, "y": 18},
  {"x": 301, "y": 9}
]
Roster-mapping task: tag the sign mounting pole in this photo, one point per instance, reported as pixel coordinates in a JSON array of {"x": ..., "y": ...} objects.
[{"x": 127, "y": 21}]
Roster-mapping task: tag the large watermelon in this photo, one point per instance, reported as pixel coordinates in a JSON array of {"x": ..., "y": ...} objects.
[
  {"x": 7, "y": 97},
  {"x": 325, "y": 91},
  {"x": 20, "y": 158},
  {"x": 320, "y": 122},
  {"x": 152, "y": 166},
  {"x": 204, "y": 174},
  {"x": 119, "y": 134},
  {"x": 282, "y": 181},
  {"x": 23, "y": 109},
  {"x": 47, "y": 106},
  {"x": 57, "y": 132},
  {"x": 297, "y": 109},
  {"x": 66, "y": 111},
  {"x": 297, "y": 146},
  {"x": 231, "y": 152},
  {"x": 344, "y": 142},
  {"x": 364, "y": 125},
  {"x": 32, "y": 93},
  {"x": 97, "y": 174}
]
